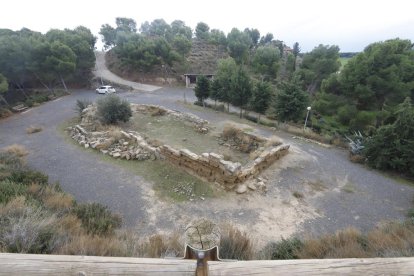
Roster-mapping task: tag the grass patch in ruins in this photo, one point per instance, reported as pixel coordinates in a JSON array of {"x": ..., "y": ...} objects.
[
  {"x": 180, "y": 135},
  {"x": 167, "y": 178}
]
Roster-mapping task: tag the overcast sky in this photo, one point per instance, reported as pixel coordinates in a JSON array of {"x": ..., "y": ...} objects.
[{"x": 351, "y": 24}]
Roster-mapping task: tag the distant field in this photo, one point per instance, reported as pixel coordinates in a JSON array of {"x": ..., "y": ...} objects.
[{"x": 344, "y": 61}]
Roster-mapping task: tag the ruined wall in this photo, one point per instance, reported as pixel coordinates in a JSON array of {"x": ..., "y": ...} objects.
[
  {"x": 214, "y": 168},
  {"x": 209, "y": 166}
]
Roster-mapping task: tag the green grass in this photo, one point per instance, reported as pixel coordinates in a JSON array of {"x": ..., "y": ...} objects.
[
  {"x": 343, "y": 61},
  {"x": 166, "y": 177},
  {"x": 181, "y": 135}
]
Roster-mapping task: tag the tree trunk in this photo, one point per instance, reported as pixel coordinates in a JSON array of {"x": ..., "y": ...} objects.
[
  {"x": 241, "y": 112},
  {"x": 20, "y": 87},
  {"x": 258, "y": 120},
  {"x": 228, "y": 107},
  {"x": 63, "y": 82},
  {"x": 4, "y": 100},
  {"x": 41, "y": 82}
]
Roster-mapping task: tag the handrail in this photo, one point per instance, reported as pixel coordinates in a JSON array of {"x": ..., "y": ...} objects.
[{"x": 29, "y": 264}]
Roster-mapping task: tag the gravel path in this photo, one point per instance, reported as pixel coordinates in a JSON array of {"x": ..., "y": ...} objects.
[{"x": 336, "y": 193}]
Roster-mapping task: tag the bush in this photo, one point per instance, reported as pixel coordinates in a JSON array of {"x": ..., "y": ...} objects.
[
  {"x": 235, "y": 244},
  {"x": 282, "y": 250},
  {"x": 9, "y": 190},
  {"x": 9, "y": 163},
  {"x": 363, "y": 120},
  {"x": 97, "y": 219},
  {"x": 81, "y": 105},
  {"x": 4, "y": 112},
  {"x": 346, "y": 113},
  {"x": 392, "y": 146},
  {"x": 27, "y": 177},
  {"x": 111, "y": 110},
  {"x": 231, "y": 132},
  {"x": 26, "y": 228}
]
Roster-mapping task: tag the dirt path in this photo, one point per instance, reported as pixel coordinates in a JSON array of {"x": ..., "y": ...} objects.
[{"x": 102, "y": 72}]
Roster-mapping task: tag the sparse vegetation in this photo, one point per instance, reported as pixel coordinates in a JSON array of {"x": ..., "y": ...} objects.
[
  {"x": 235, "y": 244},
  {"x": 33, "y": 129},
  {"x": 285, "y": 249},
  {"x": 81, "y": 105},
  {"x": 298, "y": 194},
  {"x": 97, "y": 219},
  {"x": 16, "y": 150}
]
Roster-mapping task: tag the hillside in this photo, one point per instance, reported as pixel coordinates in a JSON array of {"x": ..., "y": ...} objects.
[{"x": 204, "y": 56}]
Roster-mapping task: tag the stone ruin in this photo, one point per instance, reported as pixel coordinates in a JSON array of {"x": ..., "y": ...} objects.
[{"x": 213, "y": 167}]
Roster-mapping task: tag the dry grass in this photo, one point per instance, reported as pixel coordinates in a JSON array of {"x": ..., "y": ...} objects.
[
  {"x": 33, "y": 129},
  {"x": 391, "y": 240},
  {"x": 25, "y": 226},
  {"x": 356, "y": 158},
  {"x": 235, "y": 244},
  {"x": 16, "y": 149},
  {"x": 156, "y": 111},
  {"x": 4, "y": 113},
  {"x": 348, "y": 243},
  {"x": 230, "y": 132},
  {"x": 273, "y": 141},
  {"x": 307, "y": 134},
  {"x": 106, "y": 144},
  {"x": 254, "y": 154},
  {"x": 115, "y": 133},
  {"x": 92, "y": 245},
  {"x": 58, "y": 201}
]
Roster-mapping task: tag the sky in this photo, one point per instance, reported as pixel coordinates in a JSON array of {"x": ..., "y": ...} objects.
[{"x": 351, "y": 24}]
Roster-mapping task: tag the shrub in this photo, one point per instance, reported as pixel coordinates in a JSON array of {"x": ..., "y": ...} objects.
[
  {"x": 230, "y": 132},
  {"x": 28, "y": 177},
  {"x": 363, "y": 120},
  {"x": 9, "y": 163},
  {"x": 4, "y": 112},
  {"x": 97, "y": 219},
  {"x": 392, "y": 146},
  {"x": 111, "y": 110},
  {"x": 33, "y": 129},
  {"x": 81, "y": 105},
  {"x": 9, "y": 190},
  {"x": 283, "y": 250},
  {"x": 26, "y": 228},
  {"x": 346, "y": 113},
  {"x": 235, "y": 244}
]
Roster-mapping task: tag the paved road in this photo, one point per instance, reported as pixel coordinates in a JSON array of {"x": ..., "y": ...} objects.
[{"x": 102, "y": 71}]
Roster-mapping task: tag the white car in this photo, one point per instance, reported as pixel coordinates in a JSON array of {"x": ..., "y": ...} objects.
[{"x": 105, "y": 89}]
